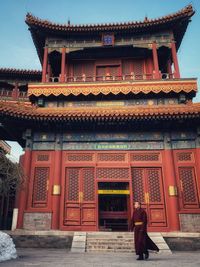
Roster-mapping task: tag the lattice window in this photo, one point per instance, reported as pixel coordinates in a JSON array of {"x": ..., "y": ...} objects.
[
  {"x": 72, "y": 184},
  {"x": 43, "y": 157},
  {"x": 138, "y": 184},
  {"x": 113, "y": 173},
  {"x": 80, "y": 157},
  {"x": 138, "y": 69},
  {"x": 88, "y": 184},
  {"x": 153, "y": 176},
  {"x": 40, "y": 190},
  {"x": 145, "y": 157},
  {"x": 184, "y": 156},
  {"x": 111, "y": 157},
  {"x": 188, "y": 184}
]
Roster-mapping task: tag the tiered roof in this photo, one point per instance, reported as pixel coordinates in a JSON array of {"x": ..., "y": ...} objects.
[
  {"x": 11, "y": 73},
  {"x": 28, "y": 112},
  {"x": 177, "y": 22}
]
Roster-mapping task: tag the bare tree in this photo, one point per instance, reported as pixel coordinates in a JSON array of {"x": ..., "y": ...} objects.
[{"x": 11, "y": 176}]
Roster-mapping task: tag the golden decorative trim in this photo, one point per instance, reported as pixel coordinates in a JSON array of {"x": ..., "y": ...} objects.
[
  {"x": 138, "y": 223},
  {"x": 114, "y": 88}
]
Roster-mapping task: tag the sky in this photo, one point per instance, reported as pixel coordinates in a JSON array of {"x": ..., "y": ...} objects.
[{"x": 17, "y": 49}]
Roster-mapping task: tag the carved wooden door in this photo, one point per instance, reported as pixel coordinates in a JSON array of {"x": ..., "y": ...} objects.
[
  {"x": 80, "y": 207},
  {"x": 188, "y": 188},
  {"x": 148, "y": 189}
]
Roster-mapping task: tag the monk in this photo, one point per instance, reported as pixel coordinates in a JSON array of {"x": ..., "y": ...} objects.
[{"x": 143, "y": 243}]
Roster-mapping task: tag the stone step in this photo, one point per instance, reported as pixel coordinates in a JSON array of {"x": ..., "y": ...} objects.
[
  {"x": 120, "y": 242},
  {"x": 79, "y": 242},
  {"x": 110, "y": 240},
  {"x": 111, "y": 250},
  {"x": 95, "y": 243}
]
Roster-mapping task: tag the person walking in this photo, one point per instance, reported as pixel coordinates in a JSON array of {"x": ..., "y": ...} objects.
[{"x": 143, "y": 242}]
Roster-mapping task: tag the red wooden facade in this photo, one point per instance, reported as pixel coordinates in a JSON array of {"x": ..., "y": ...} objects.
[
  {"x": 150, "y": 177},
  {"x": 111, "y": 122}
]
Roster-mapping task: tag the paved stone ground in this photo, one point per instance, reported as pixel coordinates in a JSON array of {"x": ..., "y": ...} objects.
[{"x": 60, "y": 257}]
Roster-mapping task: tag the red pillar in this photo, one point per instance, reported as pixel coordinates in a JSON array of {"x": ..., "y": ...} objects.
[
  {"x": 48, "y": 72},
  {"x": 169, "y": 68},
  {"x": 44, "y": 67},
  {"x": 175, "y": 60},
  {"x": 62, "y": 78},
  {"x": 56, "y": 195},
  {"x": 170, "y": 181},
  {"x": 15, "y": 92},
  {"x": 155, "y": 61},
  {"x": 22, "y": 200}
]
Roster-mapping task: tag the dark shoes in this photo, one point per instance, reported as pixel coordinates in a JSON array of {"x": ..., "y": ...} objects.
[
  {"x": 146, "y": 255},
  {"x": 140, "y": 258}
]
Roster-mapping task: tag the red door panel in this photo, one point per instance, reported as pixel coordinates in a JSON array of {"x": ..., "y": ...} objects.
[
  {"x": 72, "y": 189},
  {"x": 79, "y": 197},
  {"x": 88, "y": 207},
  {"x": 148, "y": 189},
  {"x": 156, "y": 206},
  {"x": 188, "y": 186}
]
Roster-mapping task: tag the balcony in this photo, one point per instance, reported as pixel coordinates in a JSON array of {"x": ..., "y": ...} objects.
[
  {"x": 112, "y": 85},
  {"x": 108, "y": 78},
  {"x": 10, "y": 95}
]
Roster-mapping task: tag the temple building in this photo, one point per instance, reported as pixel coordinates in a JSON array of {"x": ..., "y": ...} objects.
[{"x": 108, "y": 121}]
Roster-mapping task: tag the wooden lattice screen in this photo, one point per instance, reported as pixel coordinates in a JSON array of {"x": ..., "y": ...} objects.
[
  {"x": 188, "y": 187},
  {"x": 40, "y": 187}
]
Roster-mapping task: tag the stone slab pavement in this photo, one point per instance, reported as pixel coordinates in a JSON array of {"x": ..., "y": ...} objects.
[{"x": 60, "y": 257}]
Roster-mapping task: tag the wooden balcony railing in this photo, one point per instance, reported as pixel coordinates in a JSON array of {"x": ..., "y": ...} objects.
[
  {"x": 109, "y": 78},
  {"x": 8, "y": 95}
]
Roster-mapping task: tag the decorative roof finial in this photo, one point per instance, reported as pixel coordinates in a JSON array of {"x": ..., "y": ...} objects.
[{"x": 68, "y": 22}]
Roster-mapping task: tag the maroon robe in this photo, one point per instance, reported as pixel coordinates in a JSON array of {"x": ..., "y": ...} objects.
[{"x": 143, "y": 242}]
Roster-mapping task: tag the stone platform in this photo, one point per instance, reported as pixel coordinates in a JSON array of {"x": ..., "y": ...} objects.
[{"x": 121, "y": 242}]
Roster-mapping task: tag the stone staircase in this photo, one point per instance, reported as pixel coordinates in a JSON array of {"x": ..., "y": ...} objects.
[{"x": 119, "y": 242}]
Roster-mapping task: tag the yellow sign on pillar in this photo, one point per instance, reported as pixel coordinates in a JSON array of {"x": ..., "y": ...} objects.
[
  {"x": 56, "y": 189},
  {"x": 173, "y": 190}
]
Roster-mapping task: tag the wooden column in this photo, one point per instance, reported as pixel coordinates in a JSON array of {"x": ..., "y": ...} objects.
[
  {"x": 15, "y": 92},
  {"x": 22, "y": 200},
  {"x": 175, "y": 60},
  {"x": 171, "y": 197},
  {"x": 62, "y": 77},
  {"x": 155, "y": 61},
  {"x": 48, "y": 72},
  {"x": 44, "y": 66},
  {"x": 169, "y": 68},
  {"x": 56, "y": 189}
]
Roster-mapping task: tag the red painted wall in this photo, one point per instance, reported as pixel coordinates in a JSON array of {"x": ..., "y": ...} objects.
[{"x": 177, "y": 167}]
